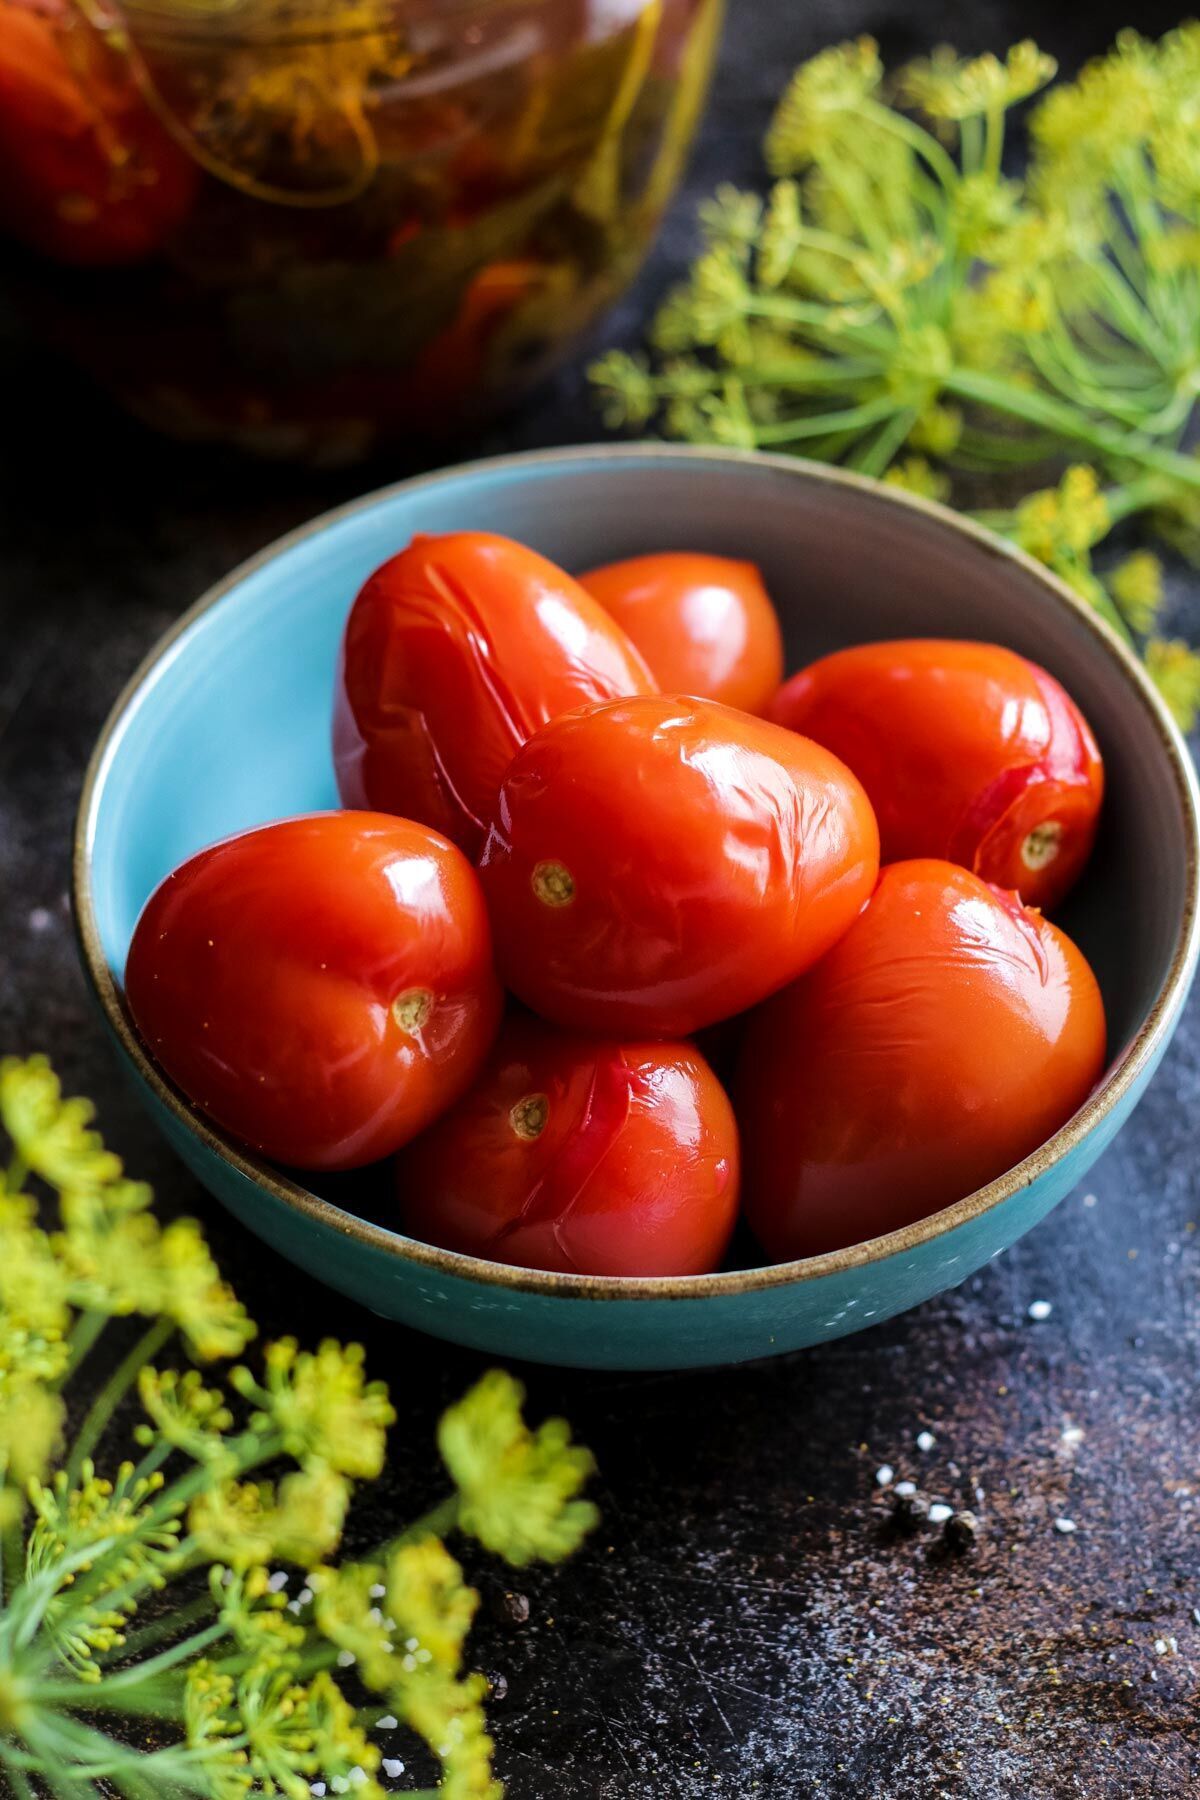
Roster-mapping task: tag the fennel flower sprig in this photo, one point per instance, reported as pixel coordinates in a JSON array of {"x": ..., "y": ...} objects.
[
  {"x": 899, "y": 304},
  {"x": 148, "y": 1645}
]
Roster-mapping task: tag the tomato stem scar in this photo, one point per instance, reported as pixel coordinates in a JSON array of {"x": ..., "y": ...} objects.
[
  {"x": 1042, "y": 845},
  {"x": 552, "y": 884},
  {"x": 412, "y": 1008},
  {"x": 528, "y": 1117}
]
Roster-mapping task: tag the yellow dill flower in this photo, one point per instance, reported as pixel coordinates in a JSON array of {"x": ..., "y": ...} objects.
[
  {"x": 946, "y": 86},
  {"x": 185, "y": 1413},
  {"x": 1063, "y": 522},
  {"x": 730, "y": 219},
  {"x": 937, "y": 429},
  {"x": 448, "y": 1714},
  {"x": 52, "y": 1136},
  {"x": 340, "y": 1746},
  {"x": 1174, "y": 668},
  {"x": 246, "y": 1522},
  {"x": 31, "y": 1422},
  {"x": 518, "y": 1489},
  {"x": 1136, "y": 584},
  {"x": 1082, "y": 130},
  {"x": 321, "y": 1406},
  {"x": 917, "y": 476},
  {"x": 206, "y": 1309},
  {"x": 349, "y": 1617},
  {"x": 429, "y": 1602},
  {"x": 820, "y": 96},
  {"x": 34, "y": 1292},
  {"x": 254, "y": 1613}
]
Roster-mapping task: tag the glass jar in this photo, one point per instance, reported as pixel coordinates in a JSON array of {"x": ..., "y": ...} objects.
[{"x": 309, "y": 227}]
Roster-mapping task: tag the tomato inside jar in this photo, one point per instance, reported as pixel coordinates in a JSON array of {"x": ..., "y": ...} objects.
[{"x": 338, "y": 222}]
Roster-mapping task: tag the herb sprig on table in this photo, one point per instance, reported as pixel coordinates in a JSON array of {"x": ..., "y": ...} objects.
[
  {"x": 899, "y": 304},
  {"x": 110, "y": 1682}
]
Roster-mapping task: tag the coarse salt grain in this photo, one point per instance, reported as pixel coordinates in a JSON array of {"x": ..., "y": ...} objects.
[
  {"x": 925, "y": 1440},
  {"x": 905, "y": 1487},
  {"x": 1089, "y": 1199},
  {"x": 346, "y": 1659},
  {"x": 1066, "y": 1526},
  {"x": 392, "y": 1766},
  {"x": 939, "y": 1512},
  {"x": 277, "y": 1581},
  {"x": 317, "y": 1788},
  {"x": 1040, "y": 1309},
  {"x": 389, "y": 1722},
  {"x": 884, "y": 1475},
  {"x": 377, "y": 1590}
]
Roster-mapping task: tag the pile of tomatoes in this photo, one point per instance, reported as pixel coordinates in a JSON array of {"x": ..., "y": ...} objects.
[{"x": 593, "y": 854}]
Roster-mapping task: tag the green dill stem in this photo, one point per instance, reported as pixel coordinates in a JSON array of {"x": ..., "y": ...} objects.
[
  {"x": 119, "y": 1691},
  {"x": 14, "y": 1176},
  {"x": 993, "y": 151},
  {"x": 803, "y": 312},
  {"x": 1059, "y": 416},
  {"x": 925, "y": 145},
  {"x": 439, "y": 1521},
  {"x": 84, "y": 1332},
  {"x": 169, "y": 1626},
  {"x": 854, "y": 418},
  {"x": 12, "y": 1555},
  {"x": 1135, "y": 496},
  {"x": 21, "y": 1787},
  {"x": 877, "y": 455},
  {"x": 808, "y": 372},
  {"x": 114, "y": 1391},
  {"x": 52, "y": 1761}
]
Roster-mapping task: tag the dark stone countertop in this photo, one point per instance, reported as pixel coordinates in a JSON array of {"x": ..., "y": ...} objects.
[{"x": 742, "y": 1623}]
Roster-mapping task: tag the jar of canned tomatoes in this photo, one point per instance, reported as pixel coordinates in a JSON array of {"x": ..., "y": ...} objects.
[{"x": 311, "y": 227}]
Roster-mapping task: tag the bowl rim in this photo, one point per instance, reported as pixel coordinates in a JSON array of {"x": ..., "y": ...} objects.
[{"x": 1118, "y": 1082}]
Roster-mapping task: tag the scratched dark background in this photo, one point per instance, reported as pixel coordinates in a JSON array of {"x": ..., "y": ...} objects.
[{"x": 743, "y": 1623}]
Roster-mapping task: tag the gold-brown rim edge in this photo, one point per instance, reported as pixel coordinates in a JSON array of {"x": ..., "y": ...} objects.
[{"x": 1116, "y": 1083}]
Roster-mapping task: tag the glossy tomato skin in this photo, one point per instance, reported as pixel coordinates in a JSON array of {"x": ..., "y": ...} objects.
[
  {"x": 90, "y": 175},
  {"x": 580, "y": 1155},
  {"x": 657, "y": 864},
  {"x": 704, "y": 624},
  {"x": 948, "y": 1035},
  {"x": 968, "y": 751},
  {"x": 322, "y": 987},
  {"x": 455, "y": 652}
]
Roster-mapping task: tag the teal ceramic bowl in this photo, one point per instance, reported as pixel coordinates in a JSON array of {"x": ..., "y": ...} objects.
[{"x": 226, "y": 725}]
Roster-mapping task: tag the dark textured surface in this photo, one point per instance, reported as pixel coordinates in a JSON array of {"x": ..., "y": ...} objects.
[{"x": 743, "y": 1623}]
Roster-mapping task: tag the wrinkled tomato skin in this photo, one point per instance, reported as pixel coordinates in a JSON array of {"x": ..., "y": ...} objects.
[
  {"x": 455, "y": 652},
  {"x": 965, "y": 749},
  {"x": 948, "y": 1035},
  {"x": 580, "y": 1155},
  {"x": 704, "y": 624},
  {"x": 660, "y": 863},
  {"x": 90, "y": 175},
  {"x": 263, "y": 976}
]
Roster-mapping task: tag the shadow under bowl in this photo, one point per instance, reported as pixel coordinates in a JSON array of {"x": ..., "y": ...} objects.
[{"x": 226, "y": 725}]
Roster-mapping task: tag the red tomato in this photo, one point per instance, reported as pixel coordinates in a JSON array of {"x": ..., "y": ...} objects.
[
  {"x": 704, "y": 624},
  {"x": 947, "y": 1035},
  {"x": 580, "y": 1155},
  {"x": 657, "y": 864},
  {"x": 322, "y": 987},
  {"x": 456, "y": 650},
  {"x": 90, "y": 176},
  {"x": 967, "y": 750}
]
